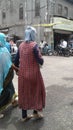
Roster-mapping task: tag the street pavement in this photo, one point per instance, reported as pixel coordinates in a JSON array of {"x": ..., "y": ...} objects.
[{"x": 57, "y": 73}]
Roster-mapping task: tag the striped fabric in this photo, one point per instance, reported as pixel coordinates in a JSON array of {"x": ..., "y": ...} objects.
[{"x": 31, "y": 88}]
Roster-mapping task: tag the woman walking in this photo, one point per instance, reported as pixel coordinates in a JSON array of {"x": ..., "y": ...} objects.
[
  {"x": 7, "y": 91},
  {"x": 31, "y": 90}
]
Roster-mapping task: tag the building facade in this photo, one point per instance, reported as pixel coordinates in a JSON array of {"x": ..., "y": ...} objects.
[{"x": 53, "y": 19}]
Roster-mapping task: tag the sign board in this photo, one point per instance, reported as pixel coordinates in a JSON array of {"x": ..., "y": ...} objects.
[{"x": 64, "y": 24}]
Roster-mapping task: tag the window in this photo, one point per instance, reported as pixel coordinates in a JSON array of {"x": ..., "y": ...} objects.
[
  {"x": 59, "y": 9},
  {"x": 3, "y": 14},
  {"x": 65, "y": 11},
  {"x": 21, "y": 11},
  {"x": 37, "y": 7}
]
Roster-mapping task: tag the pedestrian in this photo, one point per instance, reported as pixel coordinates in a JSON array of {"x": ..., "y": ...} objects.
[
  {"x": 63, "y": 46},
  {"x": 7, "y": 44},
  {"x": 13, "y": 45},
  {"x": 31, "y": 90},
  {"x": 7, "y": 91}
]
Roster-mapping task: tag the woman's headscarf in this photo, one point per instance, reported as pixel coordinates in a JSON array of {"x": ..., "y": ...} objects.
[
  {"x": 30, "y": 34},
  {"x": 2, "y": 39},
  {"x": 5, "y": 60}
]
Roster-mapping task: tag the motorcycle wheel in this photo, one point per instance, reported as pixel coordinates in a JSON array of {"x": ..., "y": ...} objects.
[
  {"x": 67, "y": 54},
  {"x": 49, "y": 53},
  {"x": 55, "y": 53}
]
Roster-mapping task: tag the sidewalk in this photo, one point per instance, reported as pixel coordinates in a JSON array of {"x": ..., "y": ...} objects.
[{"x": 58, "y": 114}]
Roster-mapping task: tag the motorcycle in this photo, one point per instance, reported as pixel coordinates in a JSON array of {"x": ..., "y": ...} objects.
[
  {"x": 59, "y": 51},
  {"x": 46, "y": 50},
  {"x": 70, "y": 45}
]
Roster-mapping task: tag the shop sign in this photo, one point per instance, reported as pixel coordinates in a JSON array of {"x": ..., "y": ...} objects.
[{"x": 64, "y": 24}]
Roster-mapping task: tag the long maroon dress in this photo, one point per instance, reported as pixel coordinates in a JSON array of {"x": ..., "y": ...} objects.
[{"x": 31, "y": 88}]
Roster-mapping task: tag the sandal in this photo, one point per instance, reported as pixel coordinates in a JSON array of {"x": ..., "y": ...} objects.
[
  {"x": 25, "y": 119},
  {"x": 37, "y": 116}
]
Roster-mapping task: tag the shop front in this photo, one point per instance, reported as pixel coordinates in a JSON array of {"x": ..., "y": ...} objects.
[{"x": 61, "y": 30}]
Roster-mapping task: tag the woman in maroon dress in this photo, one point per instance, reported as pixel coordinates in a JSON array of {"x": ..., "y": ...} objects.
[{"x": 31, "y": 90}]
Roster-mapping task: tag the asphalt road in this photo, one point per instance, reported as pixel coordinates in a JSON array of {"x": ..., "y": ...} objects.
[{"x": 57, "y": 73}]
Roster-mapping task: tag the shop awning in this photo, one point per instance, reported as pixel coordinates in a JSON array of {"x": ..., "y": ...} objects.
[{"x": 65, "y": 24}]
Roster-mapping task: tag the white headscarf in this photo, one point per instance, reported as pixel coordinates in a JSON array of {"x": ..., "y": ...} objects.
[{"x": 30, "y": 34}]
